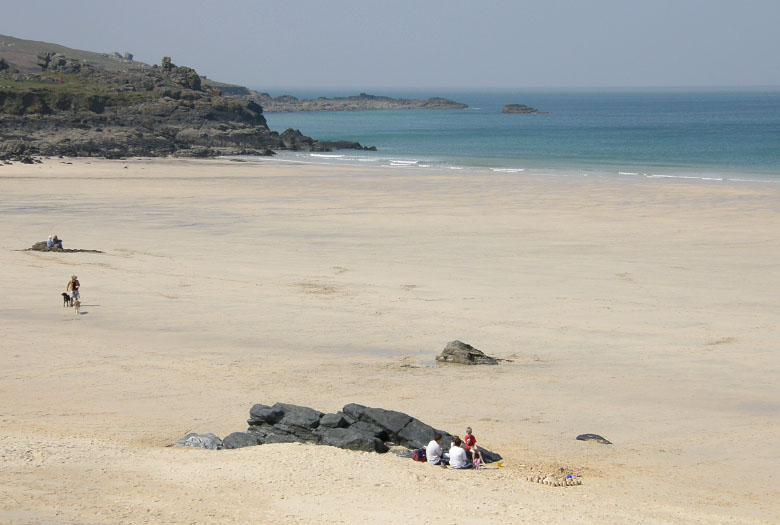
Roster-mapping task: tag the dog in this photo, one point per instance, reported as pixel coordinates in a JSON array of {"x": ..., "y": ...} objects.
[
  {"x": 77, "y": 305},
  {"x": 66, "y": 300}
]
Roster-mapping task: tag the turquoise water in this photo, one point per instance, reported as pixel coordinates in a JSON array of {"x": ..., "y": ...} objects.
[{"x": 630, "y": 132}]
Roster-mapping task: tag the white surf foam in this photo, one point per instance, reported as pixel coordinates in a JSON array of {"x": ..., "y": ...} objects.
[{"x": 693, "y": 177}]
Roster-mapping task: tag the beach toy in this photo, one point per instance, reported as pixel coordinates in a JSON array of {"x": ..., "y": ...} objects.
[{"x": 499, "y": 464}]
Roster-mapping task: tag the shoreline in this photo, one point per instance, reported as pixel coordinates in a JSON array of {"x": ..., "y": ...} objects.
[
  {"x": 643, "y": 311},
  {"x": 344, "y": 158}
]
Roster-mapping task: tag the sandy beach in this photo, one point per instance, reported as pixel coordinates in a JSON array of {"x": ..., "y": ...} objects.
[{"x": 643, "y": 310}]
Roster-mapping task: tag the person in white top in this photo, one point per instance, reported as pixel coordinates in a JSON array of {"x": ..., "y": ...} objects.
[
  {"x": 458, "y": 458},
  {"x": 433, "y": 451}
]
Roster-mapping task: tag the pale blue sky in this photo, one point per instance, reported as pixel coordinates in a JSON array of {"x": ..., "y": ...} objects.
[{"x": 421, "y": 44}]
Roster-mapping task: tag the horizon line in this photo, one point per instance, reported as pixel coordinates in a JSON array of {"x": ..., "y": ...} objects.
[{"x": 364, "y": 89}]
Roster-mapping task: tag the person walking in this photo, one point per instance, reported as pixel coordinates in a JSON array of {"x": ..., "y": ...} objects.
[{"x": 73, "y": 287}]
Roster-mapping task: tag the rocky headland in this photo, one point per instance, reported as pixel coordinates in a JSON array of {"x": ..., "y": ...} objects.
[
  {"x": 361, "y": 102},
  {"x": 522, "y": 109},
  {"x": 79, "y": 103}
]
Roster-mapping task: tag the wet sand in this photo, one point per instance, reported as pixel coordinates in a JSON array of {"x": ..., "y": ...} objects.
[{"x": 642, "y": 310}]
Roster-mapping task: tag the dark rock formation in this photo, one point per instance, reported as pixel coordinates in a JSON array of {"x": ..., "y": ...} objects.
[
  {"x": 265, "y": 415},
  {"x": 333, "y": 421},
  {"x": 390, "y": 421},
  {"x": 522, "y": 109},
  {"x": 299, "y": 417},
  {"x": 240, "y": 440},
  {"x": 458, "y": 352},
  {"x": 16, "y": 150},
  {"x": 594, "y": 437},
  {"x": 344, "y": 144},
  {"x": 357, "y": 427},
  {"x": 352, "y": 438}
]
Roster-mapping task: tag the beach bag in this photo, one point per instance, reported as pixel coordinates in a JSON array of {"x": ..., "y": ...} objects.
[{"x": 419, "y": 455}]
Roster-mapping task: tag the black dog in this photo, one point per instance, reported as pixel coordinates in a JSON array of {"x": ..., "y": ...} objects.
[{"x": 66, "y": 300}]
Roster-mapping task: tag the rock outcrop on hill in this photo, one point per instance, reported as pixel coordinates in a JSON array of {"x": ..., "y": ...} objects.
[
  {"x": 80, "y": 107},
  {"x": 522, "y": 109},
  {"x": 361, "y": 102},
  {"x": 355, "y": 427}
]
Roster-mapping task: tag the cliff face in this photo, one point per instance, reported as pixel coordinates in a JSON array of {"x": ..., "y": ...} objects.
[{"x": 75, "y": 107}]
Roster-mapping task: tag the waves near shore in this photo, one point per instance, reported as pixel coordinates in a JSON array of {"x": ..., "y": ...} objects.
[{"x": 439, "y": 165}]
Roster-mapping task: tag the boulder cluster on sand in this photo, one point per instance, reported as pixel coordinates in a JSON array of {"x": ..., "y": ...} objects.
[
  {"x": 355, "y": 427},
  {"x": 465, "y": 354},
  {"x": 41, "y": 247}
]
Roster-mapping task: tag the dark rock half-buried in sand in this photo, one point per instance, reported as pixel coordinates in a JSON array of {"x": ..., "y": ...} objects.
[
  {"x": 594, "y": 437},
  {"x": 465, "y": 354}
]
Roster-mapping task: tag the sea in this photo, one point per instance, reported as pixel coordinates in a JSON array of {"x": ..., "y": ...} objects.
[{"x": 665, "y": 133}]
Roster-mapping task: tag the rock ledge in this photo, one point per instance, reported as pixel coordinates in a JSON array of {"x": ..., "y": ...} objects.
[{"x": 355, "y": 427}]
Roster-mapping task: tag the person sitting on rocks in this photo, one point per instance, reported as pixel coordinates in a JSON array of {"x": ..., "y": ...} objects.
[
  {"x": 433, "y": 452},
  {"x": 54, "y": 241},
  {"x": 470, "y": 444},
  {"x": 458, "y": 457}
]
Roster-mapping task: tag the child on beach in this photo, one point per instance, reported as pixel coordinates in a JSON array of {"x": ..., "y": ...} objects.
[{"x": 470, "y": 444}]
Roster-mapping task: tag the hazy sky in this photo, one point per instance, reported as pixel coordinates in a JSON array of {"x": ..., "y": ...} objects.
[{"x": 364, "y": 44}]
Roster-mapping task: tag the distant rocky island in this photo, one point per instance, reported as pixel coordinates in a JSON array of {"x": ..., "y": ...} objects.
[
  {"x": 522, "y": 108},
  {"x": 361, "y": 102}
]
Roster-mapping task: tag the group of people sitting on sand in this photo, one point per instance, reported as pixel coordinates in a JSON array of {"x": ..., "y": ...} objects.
[{"x": 458, "y": 456}]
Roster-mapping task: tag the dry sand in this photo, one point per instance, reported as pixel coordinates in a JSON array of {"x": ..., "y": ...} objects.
[{"x": 646, "y": 311}]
